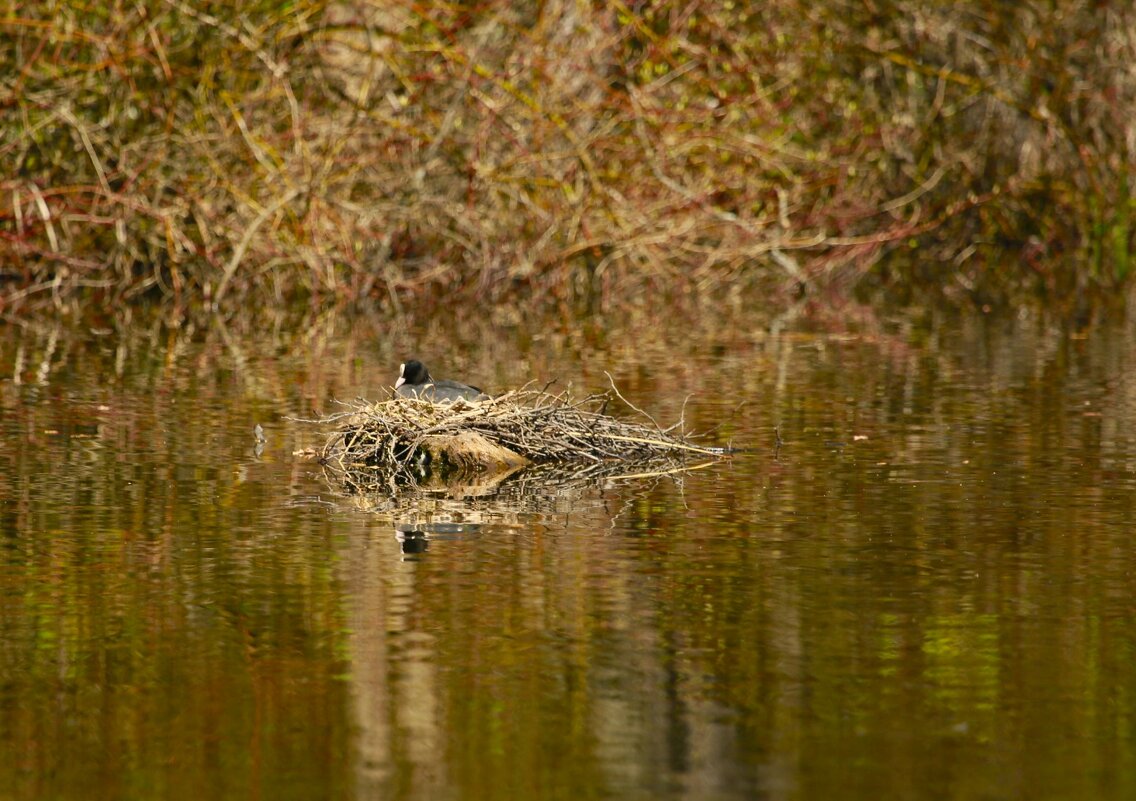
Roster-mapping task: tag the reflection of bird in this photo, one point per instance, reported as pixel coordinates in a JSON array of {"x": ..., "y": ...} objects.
[
  {"x": 414, "y": 381},
  {"x": 412, "y": 541}
]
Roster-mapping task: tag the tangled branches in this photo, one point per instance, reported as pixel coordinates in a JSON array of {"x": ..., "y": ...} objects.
[{"x": 407, "y": 438}]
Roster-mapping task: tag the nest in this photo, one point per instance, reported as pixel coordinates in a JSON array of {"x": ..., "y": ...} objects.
[{"x": 411, "y": 439}]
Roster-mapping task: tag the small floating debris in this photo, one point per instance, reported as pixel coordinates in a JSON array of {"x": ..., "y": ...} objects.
[{"x": 408, "y": 439}]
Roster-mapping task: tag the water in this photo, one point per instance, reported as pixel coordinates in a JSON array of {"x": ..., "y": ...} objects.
[{"x": 926, "y": 591}]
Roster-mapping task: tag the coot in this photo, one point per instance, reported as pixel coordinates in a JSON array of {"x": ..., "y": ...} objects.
[{"x": 414, "y": 381}]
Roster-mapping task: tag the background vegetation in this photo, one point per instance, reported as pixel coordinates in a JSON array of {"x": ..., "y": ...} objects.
[{"x": 214, "y": 154}]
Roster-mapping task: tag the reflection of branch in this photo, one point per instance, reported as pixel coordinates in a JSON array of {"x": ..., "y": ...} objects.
[{"x": 668, "y": 472}]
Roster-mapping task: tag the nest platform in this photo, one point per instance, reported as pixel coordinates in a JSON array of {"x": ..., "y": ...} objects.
[{"x": 410, "y": 438}]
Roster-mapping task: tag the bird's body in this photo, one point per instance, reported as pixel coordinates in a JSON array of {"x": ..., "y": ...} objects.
[{"x": 415, "y": 381}]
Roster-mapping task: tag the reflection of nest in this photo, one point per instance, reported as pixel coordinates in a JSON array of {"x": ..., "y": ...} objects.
[
  {"x": 509, "y": 498},
  {"x": 411, "y": 441}
]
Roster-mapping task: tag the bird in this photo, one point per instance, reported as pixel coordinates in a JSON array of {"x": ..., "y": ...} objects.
[{"x": 415, "y": 381}]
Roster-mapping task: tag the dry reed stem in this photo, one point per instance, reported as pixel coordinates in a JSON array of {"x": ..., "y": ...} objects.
[{"x": 567, "y": 151}]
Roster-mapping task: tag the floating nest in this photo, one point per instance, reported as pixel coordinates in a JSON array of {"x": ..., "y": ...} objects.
[{"x": 412, "y": 440}]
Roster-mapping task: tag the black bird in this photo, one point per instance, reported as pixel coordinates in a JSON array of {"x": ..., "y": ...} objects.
[{"x": 414, "y": 381}]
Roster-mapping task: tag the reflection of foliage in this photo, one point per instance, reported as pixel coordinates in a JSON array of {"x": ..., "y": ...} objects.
[
  {"x": 581, "y": 149},
  {"x": 958, "y": 582}
]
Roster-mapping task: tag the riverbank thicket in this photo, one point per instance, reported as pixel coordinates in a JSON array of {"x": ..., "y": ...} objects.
[{"x": 214, "y": 154}]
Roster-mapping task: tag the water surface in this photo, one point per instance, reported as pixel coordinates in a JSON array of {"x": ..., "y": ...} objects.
[{"x": 926, "y": 590}]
